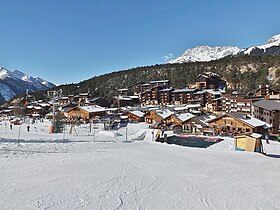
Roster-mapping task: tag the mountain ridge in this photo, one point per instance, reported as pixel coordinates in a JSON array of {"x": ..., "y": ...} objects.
[
  {"x": 16, "y": 82},
  {"x": 205, "y": 53}
]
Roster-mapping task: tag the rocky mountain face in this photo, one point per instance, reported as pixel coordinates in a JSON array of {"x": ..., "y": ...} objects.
[
  {"x": 205, "y": 53},
  {"x": 16, "y": 82}
]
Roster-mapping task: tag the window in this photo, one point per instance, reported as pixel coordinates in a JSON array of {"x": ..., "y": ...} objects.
[{"x": 247, "y": 130}]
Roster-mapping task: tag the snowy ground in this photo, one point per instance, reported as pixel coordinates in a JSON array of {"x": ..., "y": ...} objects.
[{"x": 111, "y": 171}]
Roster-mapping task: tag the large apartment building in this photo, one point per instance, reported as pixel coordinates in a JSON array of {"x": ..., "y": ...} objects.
[
  {"x": 238, "y": 103},
  {"x": 269, "y": 112}
]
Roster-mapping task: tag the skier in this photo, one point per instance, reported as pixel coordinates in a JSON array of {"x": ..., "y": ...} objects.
[
  {"x": 266, "y": 138},
  {"x": 28, "y": 128}
]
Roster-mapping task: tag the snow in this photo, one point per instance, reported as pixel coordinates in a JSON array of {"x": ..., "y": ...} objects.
[
  {"x": 205, "y": 53},
  {"x": 138, "y": 113},
  {"x": 21, "y": 80},
  {"x": 94, "y": 108},
  {"x": 273, "y": 41},
  {"x": 44, "y": 171},
  {"x": 3, "y": 73},
  {"x": 185, "y": 116},
  {"x": 255, "y": 122},
  {"x": 164, "y": 113},
  {"x": 6, "y": 92}
]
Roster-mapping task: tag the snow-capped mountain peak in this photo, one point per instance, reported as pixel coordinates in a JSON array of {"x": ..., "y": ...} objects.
[
  {"x": 273, "y": 42},
  {"x": 4, "y": 73},
  {"x": 205, "y": 53},
  {"x": 16, "y": 82},
  {"x": 274, "y": 39}
]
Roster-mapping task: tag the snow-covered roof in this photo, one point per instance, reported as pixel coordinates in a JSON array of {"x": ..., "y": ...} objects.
[
  {"x": 166, "y": 89},
  {"x": 122, "y": 89},
  {"x": 159, "y": 81},
  {"x": 137, "y": 113},
  {"x": 214, "y": 92},
  {"x": 185, "y": 116},
  {"x": 207, "y": 117},
  {"x": 185, "y": 90},
  {"x": 249, "y": 120},
  {"x": 83, "y": 94},
  {"x": 134, "y": 97},
  {"x": 164, "y": 113},
  {"x": 256, "y": 135},
  {"x": 189, "y": 106},
  {"x": 123, "y": 98},
  {"x": 199, "y": 92},
  {"x": 195, "y": 111},
  {"x": 123, "y": 117},
  {"x": 44, "y": 104},
  {"x": 93, "y": 108},
  {"x": 180, "y": 108}
]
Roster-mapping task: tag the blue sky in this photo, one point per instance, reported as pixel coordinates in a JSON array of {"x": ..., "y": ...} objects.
[{"x": 67, "y": 41}]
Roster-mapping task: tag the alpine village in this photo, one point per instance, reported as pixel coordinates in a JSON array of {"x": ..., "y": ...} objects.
[{"x": 235, "y": 96}]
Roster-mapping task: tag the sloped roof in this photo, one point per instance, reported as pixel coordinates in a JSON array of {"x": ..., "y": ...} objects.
[
  {"x": 164, "y": 113},
  {"x": 249, "y": 120},
  {"x": 90, "y": 109},
  {"x": 185, "y": 90},
  {"x": 158, "y": 81},
  {"x": 268, "y": 104},
  {"x": 185, "y": 116},
  {"x": 246, "y": 119},
  {"x": 137, "y": 113},
  {"x": 166, "y": 89}
]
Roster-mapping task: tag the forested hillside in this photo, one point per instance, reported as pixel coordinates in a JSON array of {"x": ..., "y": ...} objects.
[{"x": 243, "y": 73}]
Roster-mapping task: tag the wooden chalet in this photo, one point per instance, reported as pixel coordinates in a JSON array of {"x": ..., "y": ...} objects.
[
  {"x": 85, "y": 112},
  {"x": 124, "y": 101},
  {"x": 238, "y": 123},
  {"x": 136, "y": 116},
  {"x": 189, "y": 122},
  {"x": 159, "y": 116}
]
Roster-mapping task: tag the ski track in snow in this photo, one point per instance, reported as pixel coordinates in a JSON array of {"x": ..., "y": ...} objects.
[{"x": 88, "y": 173}]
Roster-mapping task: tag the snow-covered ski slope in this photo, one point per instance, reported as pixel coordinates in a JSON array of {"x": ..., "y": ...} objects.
[{"x": 103, "y": 172}]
